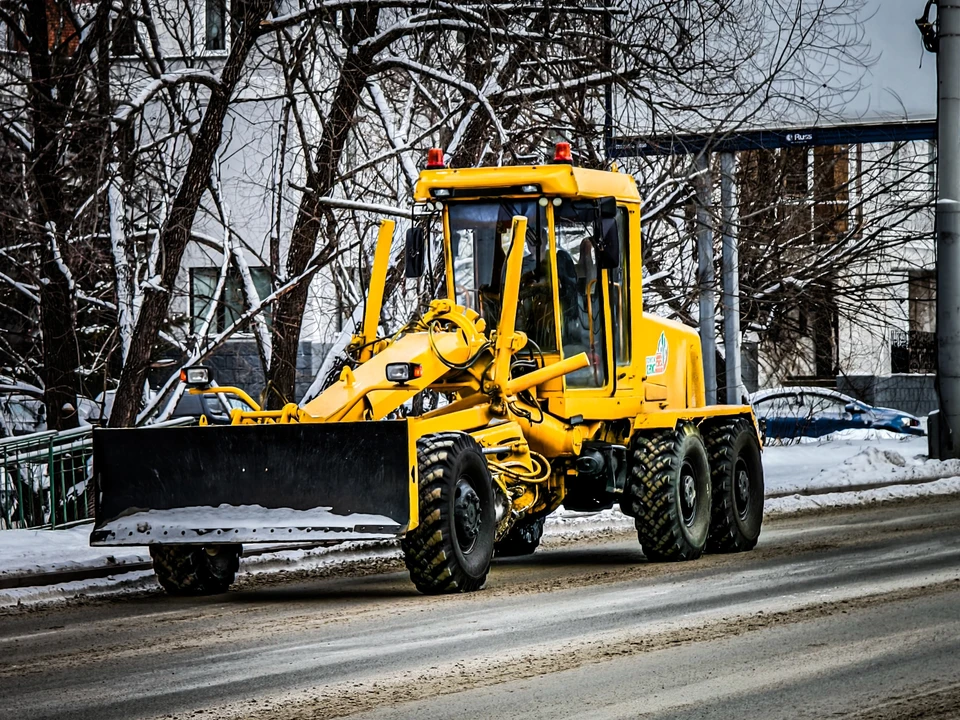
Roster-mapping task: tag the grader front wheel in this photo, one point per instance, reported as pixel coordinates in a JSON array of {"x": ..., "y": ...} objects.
[
  {"x": 450, "y": 550},
  {"x": 668, "y": 493}
]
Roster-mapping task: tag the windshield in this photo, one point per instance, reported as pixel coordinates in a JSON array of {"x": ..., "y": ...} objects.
[{"x": 479, "y": 240}]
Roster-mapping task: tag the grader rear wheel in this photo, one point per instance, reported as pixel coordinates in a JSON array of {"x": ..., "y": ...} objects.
[
  {"x": 195, "y": 569},
  {"x": 450, "y": 550},
  {"x": 737, "y": 472},
  {"x": 668, "y": 493}
]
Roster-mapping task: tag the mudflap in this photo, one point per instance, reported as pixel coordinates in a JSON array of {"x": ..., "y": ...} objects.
[{"x": 254, "y": 483}]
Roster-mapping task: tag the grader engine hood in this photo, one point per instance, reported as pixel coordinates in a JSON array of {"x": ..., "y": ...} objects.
[{"x": 253, "y": 483}]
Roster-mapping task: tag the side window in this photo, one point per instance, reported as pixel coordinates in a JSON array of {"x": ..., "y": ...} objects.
[
  {"x": 619, "y": 282},
  {"x": 780, "y": 406},
  {"x": 581, "y": 302},
  {"x": 827, "y": 407}
]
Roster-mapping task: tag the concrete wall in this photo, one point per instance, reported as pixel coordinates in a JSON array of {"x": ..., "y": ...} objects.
[{"x": 914, "y": 394}]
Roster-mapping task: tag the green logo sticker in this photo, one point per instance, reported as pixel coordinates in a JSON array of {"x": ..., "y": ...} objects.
[{"x": 657, "y": 364}]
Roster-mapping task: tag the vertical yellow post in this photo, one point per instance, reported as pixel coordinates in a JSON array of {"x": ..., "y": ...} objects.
[
  {"x": 378, "y": 279},
  {"x": 503, "y": 347}
]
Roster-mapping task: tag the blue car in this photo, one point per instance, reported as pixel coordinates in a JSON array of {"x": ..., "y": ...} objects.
[{"x": 793, "y": 412}]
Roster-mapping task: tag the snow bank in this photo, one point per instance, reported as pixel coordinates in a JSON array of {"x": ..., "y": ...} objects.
[
  {"x": 797, "y": 503},
  {"x": 42, "y": 551},
  {"x": 851, "y": 458}
]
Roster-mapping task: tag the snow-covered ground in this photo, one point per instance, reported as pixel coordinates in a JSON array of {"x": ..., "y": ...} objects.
[
  {"x": 44, "y": 551},
  {"x": 850, "y": 458},
  {"x": 802, "y": 477}
]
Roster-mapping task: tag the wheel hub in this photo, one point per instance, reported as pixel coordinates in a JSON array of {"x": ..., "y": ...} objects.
[
  {"x": 742, "y": 489},
  {"x": 688, "y": 488},
  {"x": 466, "y": 514}
]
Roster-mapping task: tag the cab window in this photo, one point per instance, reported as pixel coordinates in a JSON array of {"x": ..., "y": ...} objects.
[
  {"x": 581, "y": 300},
  {"x": 480, "y": 235}
]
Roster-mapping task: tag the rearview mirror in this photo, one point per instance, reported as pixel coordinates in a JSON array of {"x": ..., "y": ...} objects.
[
  {"x": 853, "y": 409},
  {"x": 607, "y": 207},
  {"x": 607, "y": 244},
  {"x": 415, "y": 252}
]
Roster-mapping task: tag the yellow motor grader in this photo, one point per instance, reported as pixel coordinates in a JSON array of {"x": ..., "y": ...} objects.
[{"x": 554, "y": 387}]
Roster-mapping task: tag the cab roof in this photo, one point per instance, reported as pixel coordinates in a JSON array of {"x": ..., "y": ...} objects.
[{"x": 560, "y": 180}]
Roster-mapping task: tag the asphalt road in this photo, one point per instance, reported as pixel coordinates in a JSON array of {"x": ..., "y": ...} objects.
[{"x": 847, "y": 614}]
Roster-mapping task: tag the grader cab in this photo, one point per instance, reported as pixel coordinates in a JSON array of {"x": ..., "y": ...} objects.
[{"x": 557, "y": 389}]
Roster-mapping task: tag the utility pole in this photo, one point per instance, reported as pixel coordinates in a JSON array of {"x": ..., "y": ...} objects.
[
  {"x": 608, "y": 88},
  {"x": 945, "y": 41},
  {"x": 706, "y": 278},
  {"x": 731, "y": 280}
]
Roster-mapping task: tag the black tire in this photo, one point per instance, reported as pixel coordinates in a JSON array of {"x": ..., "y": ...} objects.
[
  {"x": 523, "y": 538},
  {"x": 737, "y": 473},
  {"x": 195, "y": 569},
  {"x": 450, "y": 550},
  {"x": 668, "y": 493}
]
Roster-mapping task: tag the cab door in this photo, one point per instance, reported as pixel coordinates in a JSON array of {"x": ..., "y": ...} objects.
[{"x": 594, "y": 305}]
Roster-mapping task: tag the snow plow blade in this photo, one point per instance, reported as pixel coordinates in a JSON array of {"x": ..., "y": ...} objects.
[{"x": 253, "y": 483}]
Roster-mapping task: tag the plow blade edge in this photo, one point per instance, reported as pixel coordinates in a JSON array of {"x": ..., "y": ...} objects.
[{"x": 253, "y": 483}]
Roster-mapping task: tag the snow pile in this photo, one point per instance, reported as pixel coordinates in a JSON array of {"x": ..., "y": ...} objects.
[
  {"x": 321, "y": 558},
  {"x": 124, "y": 583},
  {"x": 851, "y": 458},
  {"x": 569, "y": 523}
]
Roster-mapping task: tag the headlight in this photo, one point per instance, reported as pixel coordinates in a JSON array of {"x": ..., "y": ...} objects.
[
  {"x": 196, "y": 375},
  {"x": 402, "y": 372}
]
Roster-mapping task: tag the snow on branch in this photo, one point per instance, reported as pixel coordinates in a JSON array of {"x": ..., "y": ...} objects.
[
  {"x": 362, "y": 205},
  {"x": 464, "y": 86},
  {"x": 199, "y": 352},
  {"x": 389, "y": 121},
  {"x": 165, "y": 81}
]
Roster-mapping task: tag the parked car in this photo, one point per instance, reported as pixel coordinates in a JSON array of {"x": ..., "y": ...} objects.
[
  {"x": 21, "y": 409},
  {"x": 97, "y": 411},
  {"x": 793, "y": 412},
  {"x": 216, "y": 407},
  {"x": 23, "y": 412}
]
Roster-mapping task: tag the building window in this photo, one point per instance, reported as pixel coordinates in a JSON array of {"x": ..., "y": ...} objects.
[
  {"x": 215, "y": 26},
  {"x": 221, "y": 23},
  {"x": 124, "y": 33},
  {"x": 795, "y": 166},
  {"x": 203, "y": 285},
  {"x": 915, "y": 350}
]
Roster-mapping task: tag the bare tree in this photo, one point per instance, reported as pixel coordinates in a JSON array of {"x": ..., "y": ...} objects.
[{"x": 355, "y": 93}]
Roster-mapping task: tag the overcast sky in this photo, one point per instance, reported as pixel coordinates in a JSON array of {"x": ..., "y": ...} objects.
[{"x": 896, "y": 83}]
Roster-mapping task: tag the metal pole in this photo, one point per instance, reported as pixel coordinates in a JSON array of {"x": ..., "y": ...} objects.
[
  {"x": 731, "y": 281},
  {"x": 945, "y": 430},
  {"x": 706, "y": 279},
  {"x": 608, "y": 89},
  {"x": 948, "y": 225}
]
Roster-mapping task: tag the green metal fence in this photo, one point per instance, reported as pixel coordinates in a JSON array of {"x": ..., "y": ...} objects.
[{"x": 44, "y": 479}]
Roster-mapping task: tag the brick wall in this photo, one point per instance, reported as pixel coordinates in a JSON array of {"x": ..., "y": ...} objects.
[{"x": 915, "y": 394}]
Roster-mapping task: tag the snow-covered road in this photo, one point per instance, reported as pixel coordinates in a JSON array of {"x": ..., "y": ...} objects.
[{"x": 830, "y": 615}]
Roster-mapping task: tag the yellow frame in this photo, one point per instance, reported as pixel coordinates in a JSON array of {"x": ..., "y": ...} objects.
[{"x": 663, "y": 382}]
